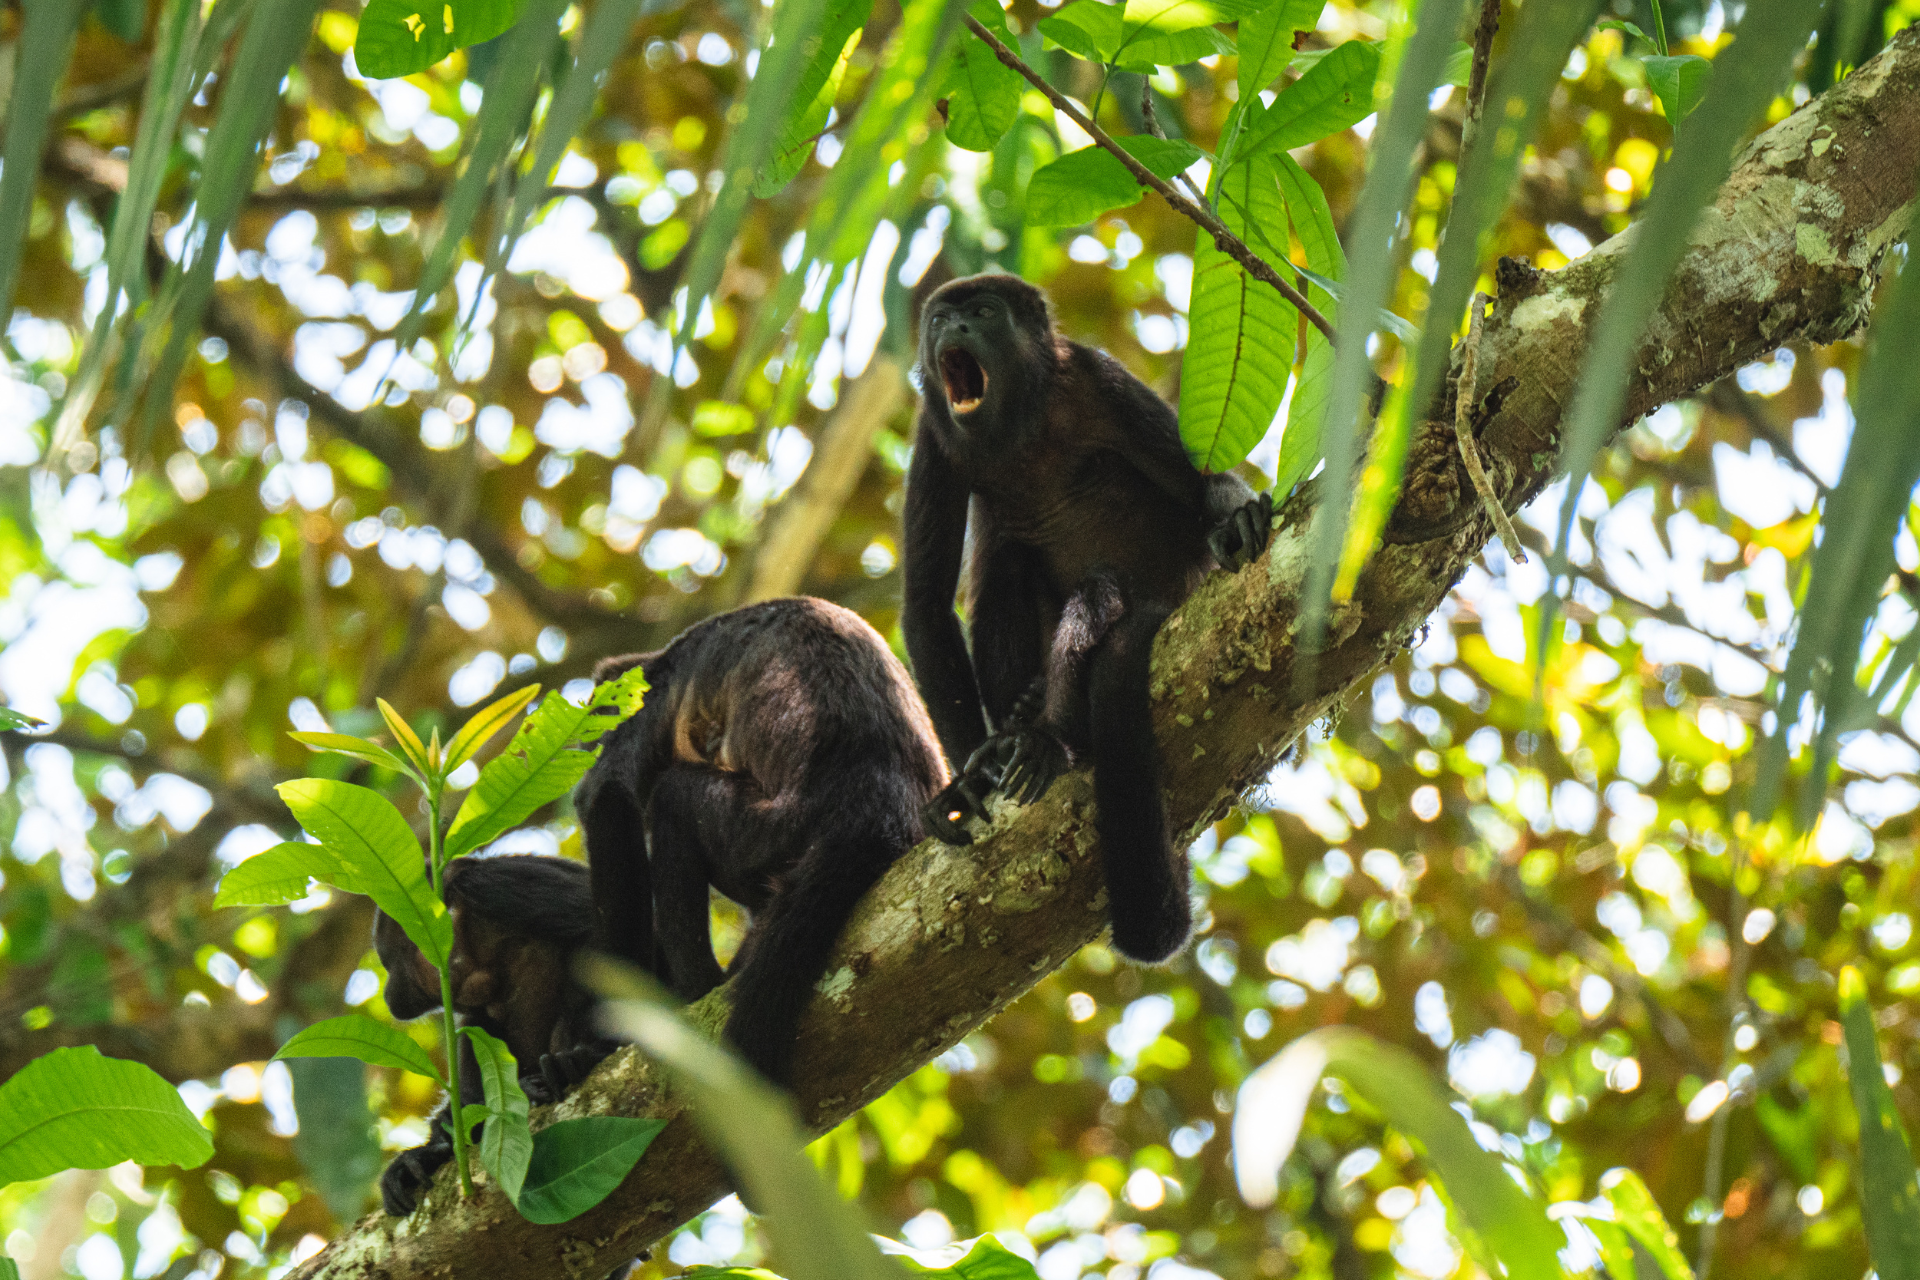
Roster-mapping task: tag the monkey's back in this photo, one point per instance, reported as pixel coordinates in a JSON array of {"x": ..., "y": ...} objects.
[{"x": 799, "y": 693}]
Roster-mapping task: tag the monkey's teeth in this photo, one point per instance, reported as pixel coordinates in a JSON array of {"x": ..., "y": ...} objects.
[{"x": 966, "y": 406}]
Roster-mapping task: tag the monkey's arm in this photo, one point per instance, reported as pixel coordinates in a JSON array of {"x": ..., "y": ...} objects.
[{"x": 936, "y": 528}]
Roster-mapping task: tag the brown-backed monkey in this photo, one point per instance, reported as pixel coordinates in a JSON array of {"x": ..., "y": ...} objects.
[
  {"x": 1089, "y": 526},
  {"x": 781, "y": 757}
]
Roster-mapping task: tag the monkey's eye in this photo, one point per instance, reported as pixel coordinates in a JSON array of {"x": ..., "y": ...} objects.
[{"x": 983, "y": 310}]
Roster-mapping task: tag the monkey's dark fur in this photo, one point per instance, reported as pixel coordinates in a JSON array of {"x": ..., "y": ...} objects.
[
  {"x": 517, "y": 922},
  {"x": 781, "y": 757},
  {"x": 1089, "y": 526}
]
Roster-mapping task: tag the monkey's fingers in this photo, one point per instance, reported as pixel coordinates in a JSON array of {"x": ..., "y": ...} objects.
[{"x": 945, "y": 819}]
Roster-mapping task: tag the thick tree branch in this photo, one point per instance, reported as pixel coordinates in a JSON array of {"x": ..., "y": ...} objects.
[
  {"x": 951, "y": 936},
  {"x": 1207, "y": 220}
]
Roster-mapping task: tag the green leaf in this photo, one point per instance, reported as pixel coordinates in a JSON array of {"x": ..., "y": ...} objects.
[
  {"x": 275, "y": 36},
  {"x": 1313, "y": 382},
  {"x": 1334, "y": 94},
  {"x": 1083, "y": 184},
  {"x": 400, "y": 37},
  {"x": 1370, "y": 280},
  {"x": 282, "y": 874},
  {"x": 506, "y": 1144},
  {"x": 813, "y": 97},
  {"x": 484, "y": 724},
  {"x": 363, "y": 830},
  {"x": 1242, "y": 331},
  {"x": 355, "y": 1035},
  {"x": 336, "y": 1145},
  {"x": 1173, "y": 49},
  {"x": 578, "y": 1163},
  {"x": 752, "y": 1126},
  {"x": 1180, "y": 15},
  {"x": 77, "y": 1109},
  {"x": 988, "y": 1259},
  {"x": 125, "y": 18},
  {"x": 9, "y": 1269},
  {"x": 1747, "y": 74},
  {"x": 1266, "y": 42},
  {"x": 542, "y": 762},
  {"x": 1616, "y": 24},
  {"x": 1459, "y": 66},
  {"x": 40, "y": 59},
  {"x": 17, "y": 721},
  {"x": 1092, "y": 29},
  {"x": 1635, "y": 1211},
  {"x": 359, "y": 748},
  {"x": 1889, "y": 1199},
  {"x": 1273, "y": 1103},
  {"x": 1679, "y": 82},
  {"x": 983, "y": 92}
]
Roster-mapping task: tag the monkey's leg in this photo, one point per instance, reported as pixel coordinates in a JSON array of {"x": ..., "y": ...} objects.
[
  {"x": 1009, "y": 629},
  {"x": 616, "y": 840},
  {"x": 411, "y": 1172},
  {"x": 1060, "y": 734},
  {"x": 786, "y": 951},
  {"x": 682, "y": 810},
  {"x": 1146, "y": 875}
]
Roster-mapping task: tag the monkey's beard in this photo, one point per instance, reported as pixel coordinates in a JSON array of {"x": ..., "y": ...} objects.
[{"x": 964, "y": 379}]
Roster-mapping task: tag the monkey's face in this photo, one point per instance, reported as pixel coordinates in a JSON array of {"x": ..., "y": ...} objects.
[
  {"x": 971, "y": 340},
  {"x": 413, "y": 984}
]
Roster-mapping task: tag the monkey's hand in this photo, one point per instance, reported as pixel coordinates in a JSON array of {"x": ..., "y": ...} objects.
[
  {"x": 1239, "y": 539},
  {"x": 946, "y": 815},
  {"x": 561, "y": 1073},
  {"x": 1037, "y": 759},
  {"x": 409, "y": 1174}
]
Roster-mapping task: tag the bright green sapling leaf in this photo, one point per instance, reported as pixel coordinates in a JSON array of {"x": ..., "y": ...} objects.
[
  {"x": 358, "y": 748},
  {"x": 372, "y": 840},
  {"x": 1334, "y": 94},
  {"x": 543, "y": 762},
  {"x": 1679, "y": 82},
  {"x": 75, "y": 1108},
  {"x": 1266, "y": 42},
  {"x": 1083, "y": 184},
  {"x": 355, "y": 1035},
  {"x": 282, "y": 874},
  {"x": 577, "y": 1163},
  {"x": 506, "y": 1144}
]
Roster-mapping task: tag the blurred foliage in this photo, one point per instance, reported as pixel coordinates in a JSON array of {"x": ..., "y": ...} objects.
[{"x": 1546, "y": 898}]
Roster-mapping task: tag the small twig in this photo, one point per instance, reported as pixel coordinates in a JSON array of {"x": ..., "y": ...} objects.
[
  {"x": 1477, "y": 78},
  {"x": 1463, "y": 407},
  {"x": 1230, "y": 244},
  {"x": 1153, "y": 127}
]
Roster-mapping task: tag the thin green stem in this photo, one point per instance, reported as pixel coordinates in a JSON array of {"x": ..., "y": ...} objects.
[
  {"x": 1659, "y": 27},
  {"x": 449, "y": 1033}
]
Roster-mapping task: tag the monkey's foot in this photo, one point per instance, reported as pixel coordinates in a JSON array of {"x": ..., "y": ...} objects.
[
  {"x": 409, "y": 1174},
  {"x": 1036, "y": 760},
  {"x": 1239, "y": 539}
]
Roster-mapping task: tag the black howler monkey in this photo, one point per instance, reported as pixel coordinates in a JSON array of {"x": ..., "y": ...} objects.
[
  {"x": 1089, "y": 526},
  {"x": 518, "y": 920},
  {"x": 781, "y": 757}
]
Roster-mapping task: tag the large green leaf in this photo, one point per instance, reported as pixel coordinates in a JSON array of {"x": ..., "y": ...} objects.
[
  {"x": 1243, "y": 332},
  {"x": 373, "y": 842},
  {"x": 336, "y": 1145},
  {"x": 506, "y": 1144},
  {"x": 1889, "y": 1199},
  {"x": 400, "y": 37},
  {"x": 39, "y": 63},
  {"x": 983, "y": 93},
  {"x": 355, "y": 1035},
  {"x": 1370, "y": 280},
  {"x": 284, "y": 873},
  {"x": 1081, "y": 185},
  {"x": 1266, "y": 42},
  {"x": 1746, "y": 76},
  {"x": 542, "y": 762},
  {"x": 1679, "y": 82},
  {"x": 1334, "y": 94},
  {"x": 358, "y": 748},
  {"x": 816, "y": 1235},
  {"x": 577, "y": 1163},
  {"x": 1273, "y": 1104},
  {"x": 1313, "y": 381},
  {"x": 74, "y": 1108},
  {"x": 813, "y": 97}
]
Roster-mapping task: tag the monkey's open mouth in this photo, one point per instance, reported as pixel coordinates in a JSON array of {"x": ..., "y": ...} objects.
[{"x": 966, "y": 381}]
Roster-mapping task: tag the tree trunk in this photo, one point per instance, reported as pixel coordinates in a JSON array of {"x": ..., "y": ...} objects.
[{"x": 951, "y": 936}]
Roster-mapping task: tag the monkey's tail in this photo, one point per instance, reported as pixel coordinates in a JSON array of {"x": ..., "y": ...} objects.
[
  {"x": 1146, "y": 875},
  {"x": 788, "y": 947}
]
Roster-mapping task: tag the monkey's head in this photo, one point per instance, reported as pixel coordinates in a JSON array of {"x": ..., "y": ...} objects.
[
  {"x": 986, "y": 345},
  {"x": 413, "y": 984}
]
